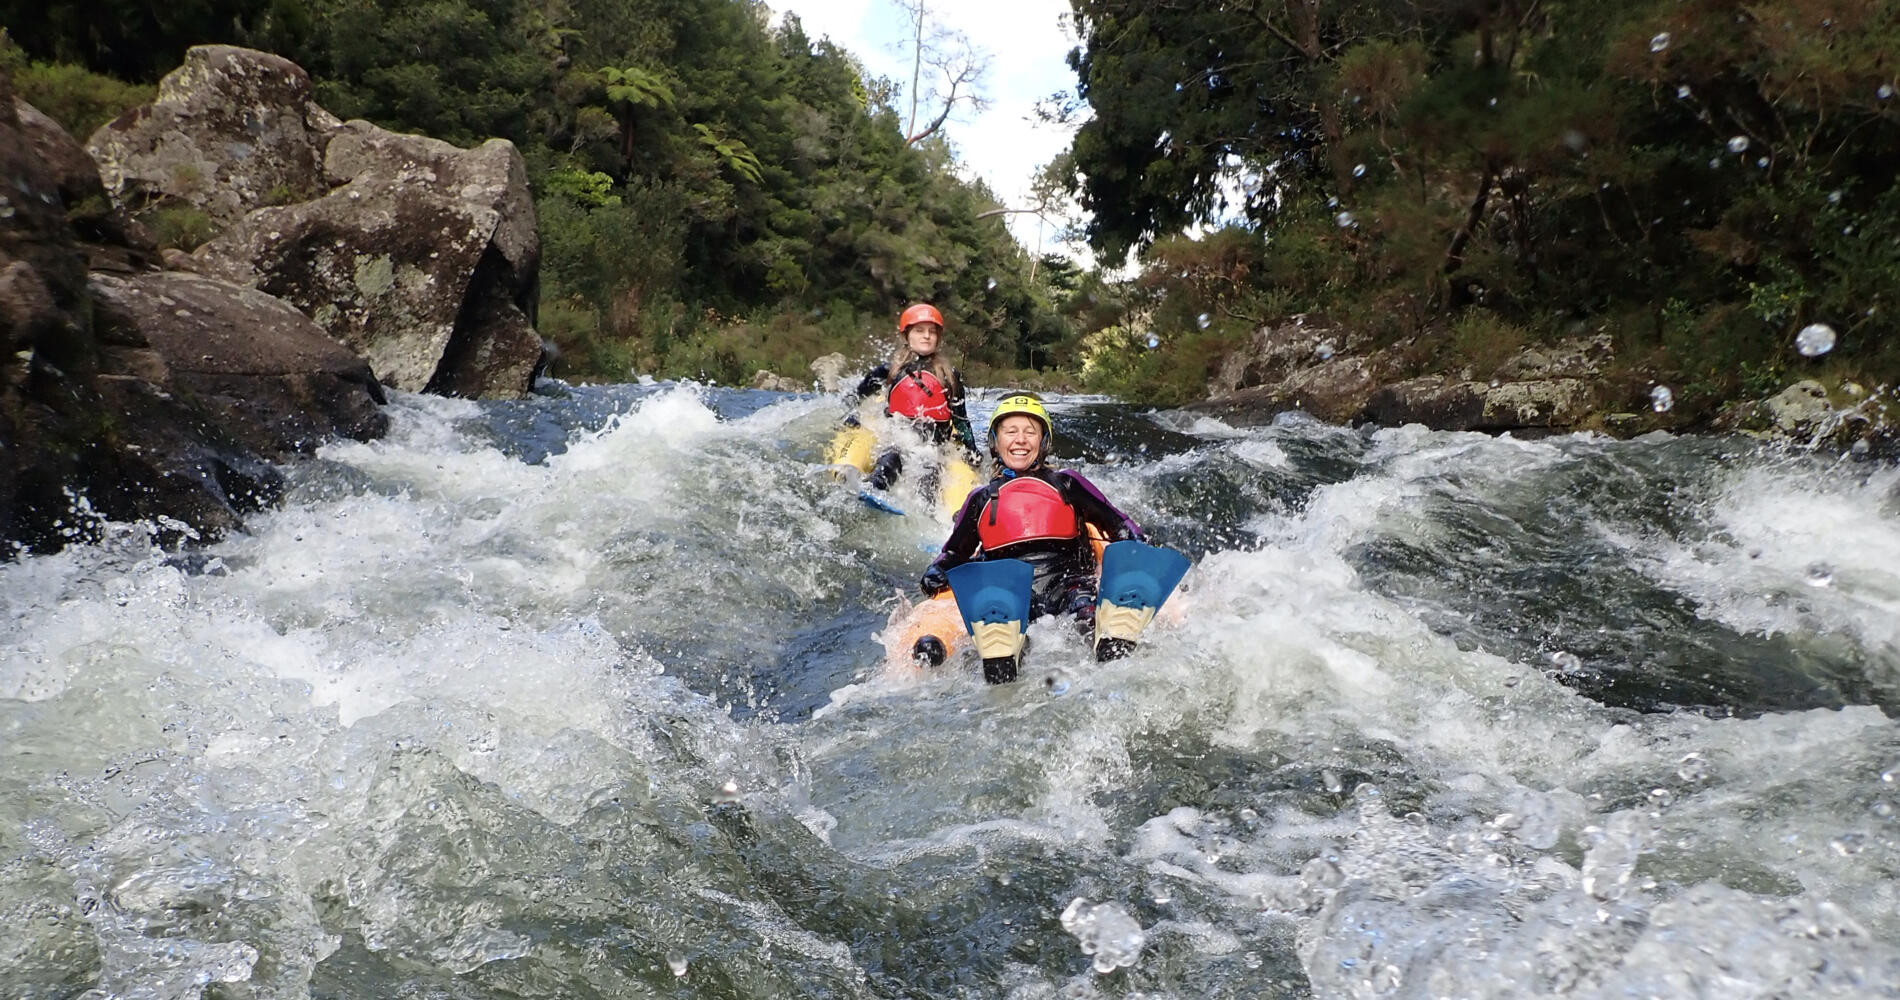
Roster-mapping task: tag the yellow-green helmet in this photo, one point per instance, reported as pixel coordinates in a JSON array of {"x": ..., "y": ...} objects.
[{"x": 1028, "y": 404}]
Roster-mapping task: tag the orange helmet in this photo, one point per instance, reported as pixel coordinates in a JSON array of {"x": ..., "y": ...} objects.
[{"x": 922, "y": 312}]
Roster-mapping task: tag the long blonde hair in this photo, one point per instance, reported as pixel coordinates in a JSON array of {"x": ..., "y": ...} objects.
[{"x": 938, "y": 365}]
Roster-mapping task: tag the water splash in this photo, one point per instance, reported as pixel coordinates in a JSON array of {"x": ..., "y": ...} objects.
[
  {"x": 1814, "y": 340},
  {"x": 1105, "y": 931},
  {"x": 1659, "y": 41}
]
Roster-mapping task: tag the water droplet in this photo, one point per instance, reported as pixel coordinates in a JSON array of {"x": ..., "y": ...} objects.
[
  {"x": 727, "y": 793},
  {"x": 676, "y": 962},
  {"x": 991, "y": 284},
  {"x": 1575, "y": 141},
  {"x": 1820, "y": 575},
  {"x": 1891, "y": 775},
  {"x": 1814, "y": 340},
  {"x": 1848, "y": 844},
  {"x": 1566, "y": 662},
  {"x": 1153, "y": 341},
  {"x": 1660, "y": 42},
  {"x": 1105, "y": 931},
  {"x": 1321, "y": 873},
  {"x": 1332, "y": 202},
  {"x": 1738, "y": 144},
  {"x": 1834, "y": 197},
  {"x": 1512, "y": 680},
  {"x": 1203, "y": 320},
  {"x": 1493, "y": 102},
  {"x": 1057, "y": 682},
  {"x": 1248, "y": 815},
  {"x": 1662, "y": 399},
  {"x": 1324, "y": 350},
  {"x": 1345, "y": 220},
  {"x": 1682, "y": 91},
  {"x": 1359, "y": 170},
  {"x": 1496, "y": 382},
  {"x": 1762, "y": 162},
  {"x": 1661, "y": 797},
  {"x": 1885, "y": 91},
  {"x": 1692, "y": 767},
  {"x": 1715, "y": 164},
  {"x": 1332, "y": 782},
  {"x": 1882, "y": 809}
]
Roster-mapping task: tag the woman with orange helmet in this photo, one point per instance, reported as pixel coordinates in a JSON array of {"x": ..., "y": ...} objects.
[
  {"x": 1039, "y": 515},
  {"x": 920, "y": 386}
]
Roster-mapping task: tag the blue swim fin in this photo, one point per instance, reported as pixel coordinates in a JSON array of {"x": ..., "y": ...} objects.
[
  {"x": 993, "y": 597},
  {"x": 877, "y": 501},
  {"x": 1136, "y": 579}
]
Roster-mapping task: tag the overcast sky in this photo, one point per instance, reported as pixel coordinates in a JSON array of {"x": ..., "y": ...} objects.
[{"x": 1026, "y": 44}]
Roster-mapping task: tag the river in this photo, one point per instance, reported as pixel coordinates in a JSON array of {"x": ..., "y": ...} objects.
[{"x": 580, "y": 697}]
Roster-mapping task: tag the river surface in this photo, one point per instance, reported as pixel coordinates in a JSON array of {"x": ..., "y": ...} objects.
[{"x": 581, "y": 697}]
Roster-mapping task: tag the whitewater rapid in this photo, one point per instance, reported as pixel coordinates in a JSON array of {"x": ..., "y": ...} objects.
[{"x": 582, "y": 696}]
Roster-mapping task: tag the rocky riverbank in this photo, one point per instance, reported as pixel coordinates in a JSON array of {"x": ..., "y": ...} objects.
[
  {"x": 340, "y": 258},
  {"x": 1310, "y": 365}
]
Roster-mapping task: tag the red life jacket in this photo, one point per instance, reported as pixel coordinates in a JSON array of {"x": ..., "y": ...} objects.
[
  {"x": 920, "y": 396},
  {"x": 1025, "y": 509}
]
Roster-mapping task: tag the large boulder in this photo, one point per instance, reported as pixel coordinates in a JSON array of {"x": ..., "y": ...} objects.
[
  {"x": 1460, "y": 405},
  {"x": 408, "y": 278},
  {"x": 232, "y": 129},
  {"x": 109, "y": 236},
  {"x": 419, "y": 255},
  {"x": 160, "y": 399},
  {"x": 276, "y": 383},
  {"x": 491, "y": 176}
]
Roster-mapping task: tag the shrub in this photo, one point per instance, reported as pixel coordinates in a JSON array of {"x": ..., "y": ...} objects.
[
  {"x": 79, "y": 100},
  {"x": 179, "y": 227}
]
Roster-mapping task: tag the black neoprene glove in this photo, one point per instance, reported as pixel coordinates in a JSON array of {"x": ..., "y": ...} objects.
[{"x": 935, "y": 581}]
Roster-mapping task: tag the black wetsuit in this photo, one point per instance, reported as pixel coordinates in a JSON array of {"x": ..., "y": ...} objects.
[
  {"x": 891, "y": 462},
  {"x": 1065, "y": 567}
]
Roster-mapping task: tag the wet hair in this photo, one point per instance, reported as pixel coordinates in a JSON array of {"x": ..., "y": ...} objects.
[{"x": 938, "y": 364}]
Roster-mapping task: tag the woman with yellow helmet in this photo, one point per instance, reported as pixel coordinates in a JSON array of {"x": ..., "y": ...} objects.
[
  {"x": 1039, "y": 515},
  {"x": 920, "y": 386}
]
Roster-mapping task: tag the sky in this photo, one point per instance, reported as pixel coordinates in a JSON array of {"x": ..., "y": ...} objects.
[{"x": 1026, "y": 42}]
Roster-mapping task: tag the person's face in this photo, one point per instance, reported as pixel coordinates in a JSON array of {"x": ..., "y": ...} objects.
[
  {"x": 1018, "y": 441},
  {"x": 923, "y": 338}
]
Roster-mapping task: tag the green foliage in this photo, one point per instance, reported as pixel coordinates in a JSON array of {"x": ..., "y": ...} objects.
[
  {"x": 586, "y": 188},
  {"x": 179, "y": 226},
  {"x": 732, "y": 152},
  {"x": 633, "y": 85},
  {"x": 1546, "y": 163},
  {"x": 79, "y": 100},
  {"x": 703, "y": 181}
]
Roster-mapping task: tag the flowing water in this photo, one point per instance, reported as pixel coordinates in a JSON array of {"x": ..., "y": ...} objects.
[{"x": 581, "y": 697}]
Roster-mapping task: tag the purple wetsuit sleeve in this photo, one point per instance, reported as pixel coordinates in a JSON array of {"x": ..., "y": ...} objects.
[{"x": 1095, "y": 509}]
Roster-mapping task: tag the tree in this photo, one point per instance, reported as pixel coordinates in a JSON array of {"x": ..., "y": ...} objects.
[
  {"x": 629, "y": 89},
  {"x": 956, "y": 68}
]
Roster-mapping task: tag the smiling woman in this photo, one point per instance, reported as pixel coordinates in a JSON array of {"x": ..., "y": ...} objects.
[{"x": 1051, "y": 520}]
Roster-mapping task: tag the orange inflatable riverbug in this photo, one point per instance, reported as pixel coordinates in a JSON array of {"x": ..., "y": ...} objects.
[{"x": 938, "y": 617}]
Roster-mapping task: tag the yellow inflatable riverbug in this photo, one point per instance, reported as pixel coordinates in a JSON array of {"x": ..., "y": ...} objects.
[{"x": 854, "y": 447}]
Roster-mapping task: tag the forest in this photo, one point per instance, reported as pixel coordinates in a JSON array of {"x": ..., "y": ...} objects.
[{"x": 719, "y": 193}]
